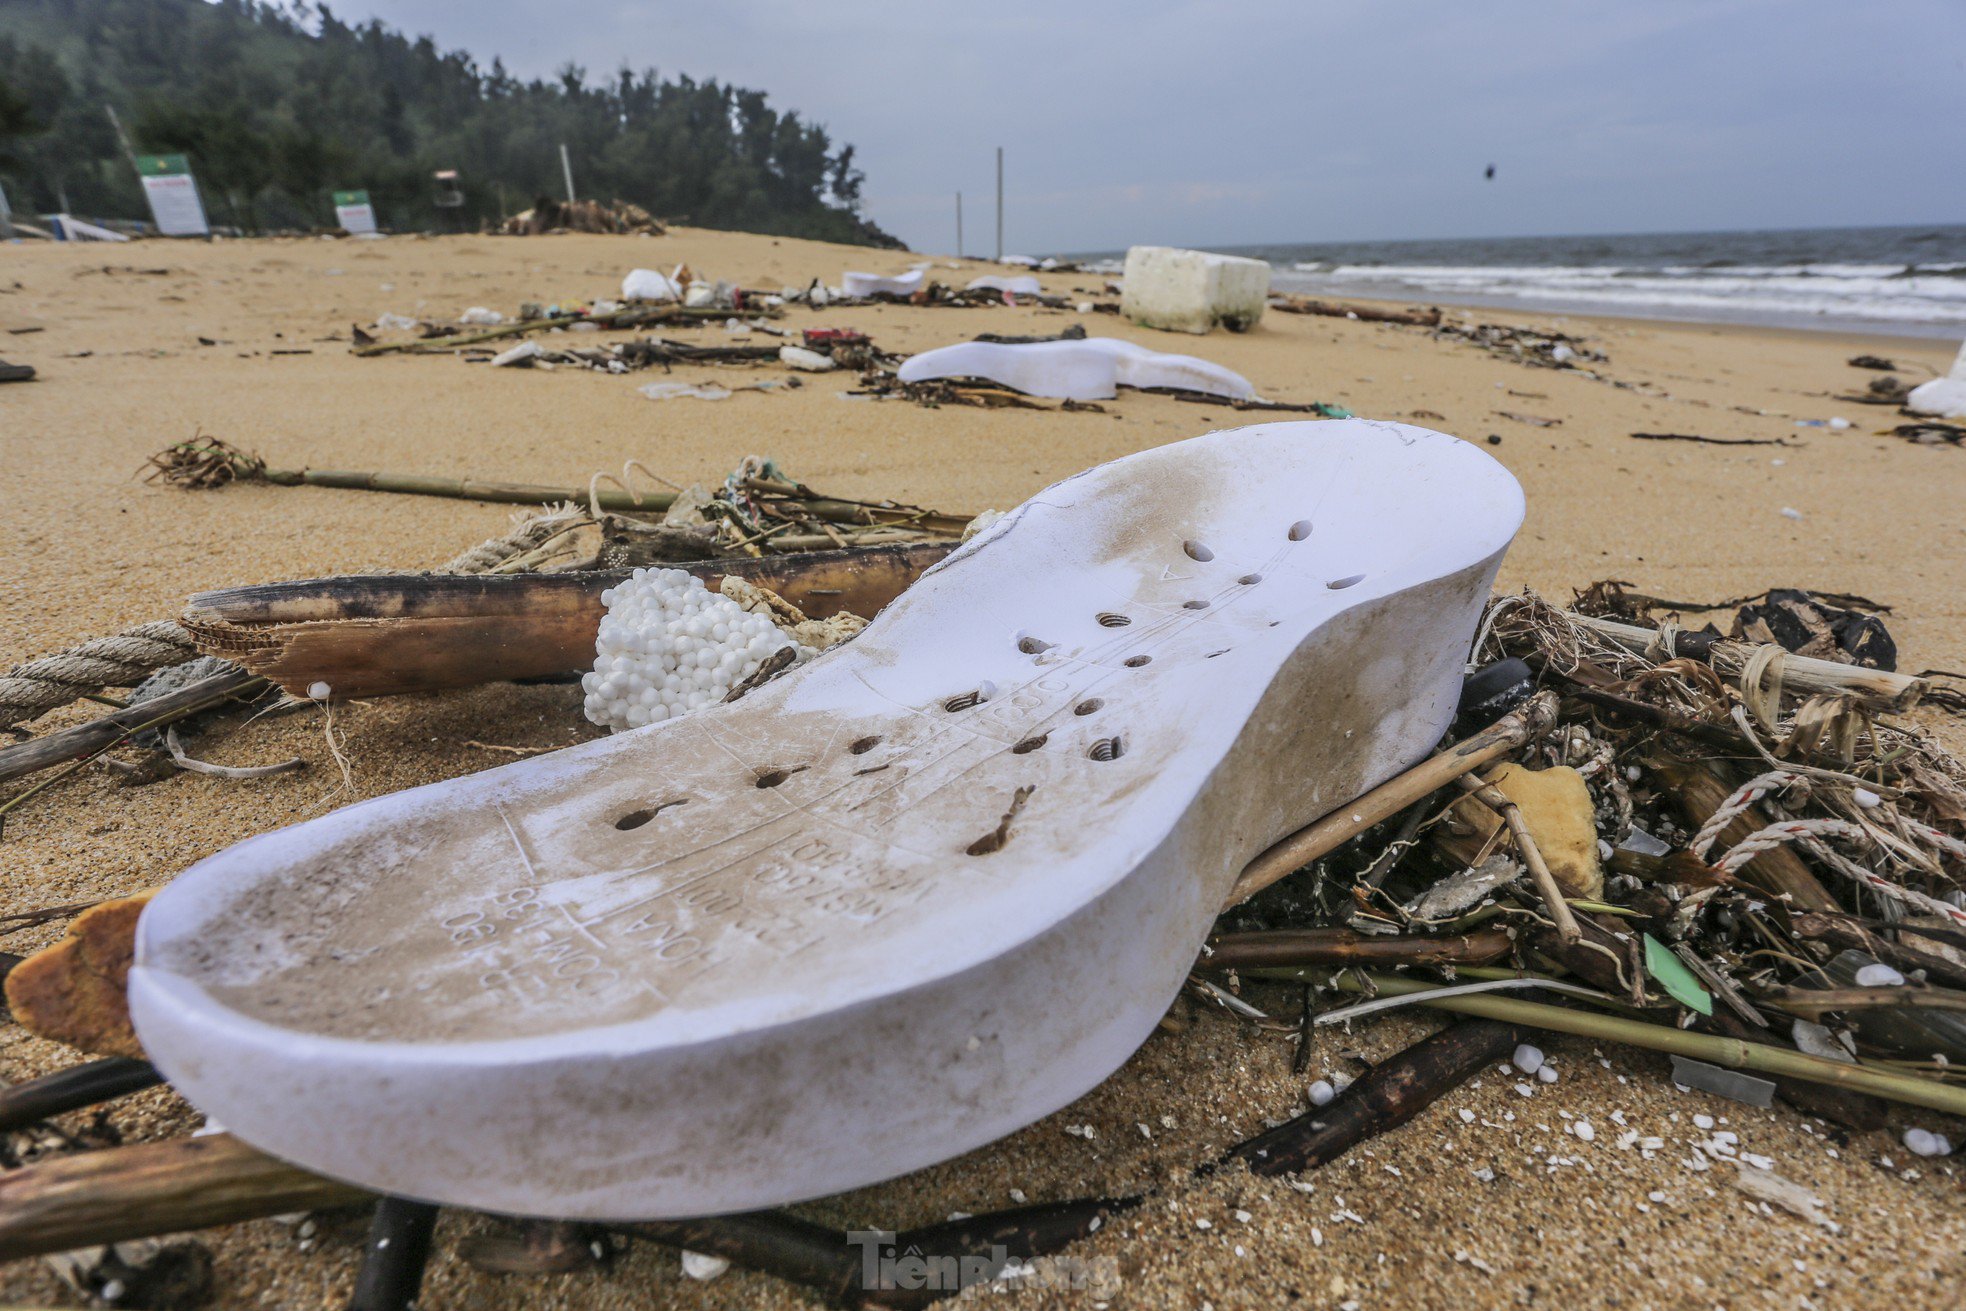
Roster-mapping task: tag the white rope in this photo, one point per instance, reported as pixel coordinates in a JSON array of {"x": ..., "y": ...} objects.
[
  {"x": 1738, "y": 804},
  {"x": 1790, "y": 830}
]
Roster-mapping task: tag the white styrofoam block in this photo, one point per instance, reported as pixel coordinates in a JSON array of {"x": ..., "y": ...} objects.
[
  {"x": 920, "y": 891},
  {"x": 876, "y": 284},
  {"x": 1193, "y": 290}
]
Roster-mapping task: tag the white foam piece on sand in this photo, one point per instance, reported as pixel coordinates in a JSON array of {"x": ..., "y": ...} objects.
[
  {"x": 876, "y": 284},
  {"x": 1092, "y": 369},
  {"x": 924, "y": 889},
  {"x": 1193, "y": 290},
  {"x": 1944, "y": 397},
  {"x": 1021, "y": 286},
  {"x": 647, "y": 284}
]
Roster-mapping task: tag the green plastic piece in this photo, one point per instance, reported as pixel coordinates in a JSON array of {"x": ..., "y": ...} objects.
[{"x": 1674, "y": 977}]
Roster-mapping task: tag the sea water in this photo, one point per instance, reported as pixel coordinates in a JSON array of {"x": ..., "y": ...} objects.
[{"x": 1905, "y": 280}]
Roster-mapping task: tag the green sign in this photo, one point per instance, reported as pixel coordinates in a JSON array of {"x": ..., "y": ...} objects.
[
  {"x": 163, "y": 166},
  {"x": 350, "y": 198}
]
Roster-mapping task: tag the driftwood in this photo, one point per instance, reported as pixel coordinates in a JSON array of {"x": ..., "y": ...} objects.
[
  {"x": 393, "y": 1259},
  {"x": 122, "y": 1193},
  {"x": 84, "y": 740},
  {"x": 1427, "y": 318},
  {"x": 1803, "y": 675},
  {"x": 1385, "y": 1097},
  {"x": 73, "y": 1089},
  {"x": 633, "y": 317},
  {"x": 1389, "y": 798},
  {"x": 371, "y": 636},
  {"x": 1337, "y": 946}
]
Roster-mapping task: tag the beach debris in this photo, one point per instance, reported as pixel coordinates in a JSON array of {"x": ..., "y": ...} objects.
[
  {"x": 669, "y": 646},
  {"x": 875, "y": 284},
  {"x": 394, "y": 1255},
  {"x": 1080, "y": 370},
  {"x": 1807, "y": 625},
  {"x": 1932, "y": 432},
  {"x": 649, "y": 285},
  {"x": 548, "y": 215},
  {"x": 1530, "y": 346},
  {"x": 1532, "y": 420},
  {"x": 1711, "y": 441},
  {"x": 1767, "y": 1186},
  {"x": 1416, "y": 318},
  {"x": 74, "y": 991},
  {"x": 481, "y": 317},
  {"x": 124, "y": 659},
  {"x": 1556, "y": 808},
  {"x": 1877, "y": 362},
  {"x": 669, "y": 391},
  {"x": 1193, "y": 290},
  {"x": 799, "y": 739},
  {"x": 524, "y": 354},
  {"x": 16, "y": 372},
  {"x": 1014, "y": 286},
  {"x": 1943, "y": 398},
  {"x": 808, "y": 361},
  {"x": 1731, "y": 1084}
]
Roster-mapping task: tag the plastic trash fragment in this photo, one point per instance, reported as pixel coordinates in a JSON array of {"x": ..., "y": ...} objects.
[
  {"x": 798, "y": 357},
  {"x": 479, "y": 316},
  {"x": 524, "y": 353},
  {"x": 1527, "y": 1058},
  {"x": 1879, "y": 975},
  {"x": 647, "y": 284},
  {"x": 704, "y": 1268},
  {"x": 1675, "y": 978},
  {"x": 1731, "y": 1084},
  {"x": 875, "y": 284}
]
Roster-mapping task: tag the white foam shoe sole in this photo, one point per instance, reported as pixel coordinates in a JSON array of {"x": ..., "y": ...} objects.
[
  {"x": 1089, "y": 369},
  {"x": 919, "y": 892}
]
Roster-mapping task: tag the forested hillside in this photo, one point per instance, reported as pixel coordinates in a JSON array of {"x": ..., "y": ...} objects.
[{"x": 279, "y": 104}]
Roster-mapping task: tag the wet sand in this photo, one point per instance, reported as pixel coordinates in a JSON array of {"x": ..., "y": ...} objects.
[{"x": 1404, "y": 1221}]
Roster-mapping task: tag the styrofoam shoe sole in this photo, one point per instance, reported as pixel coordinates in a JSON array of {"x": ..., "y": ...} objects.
[{"x": 912, "y": 896}]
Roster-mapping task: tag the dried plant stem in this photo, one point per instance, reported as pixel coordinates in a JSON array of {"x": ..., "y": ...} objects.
[
  {"x": 1733, "y": 1053},
  {"x": 1389, "y": 798},
  {"x": 1532, "y": 855}
]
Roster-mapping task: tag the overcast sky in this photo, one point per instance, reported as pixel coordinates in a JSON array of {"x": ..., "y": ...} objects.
[{"x": 1218, "y": 124}]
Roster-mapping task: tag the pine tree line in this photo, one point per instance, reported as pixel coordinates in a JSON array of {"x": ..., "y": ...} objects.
[{"x": 279, "y": 104}]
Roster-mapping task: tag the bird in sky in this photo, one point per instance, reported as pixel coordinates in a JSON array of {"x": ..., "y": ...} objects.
[{"x": 1490, "y": 174}]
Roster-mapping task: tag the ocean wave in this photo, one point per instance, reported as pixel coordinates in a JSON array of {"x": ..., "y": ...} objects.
[{"x": 1899, "y": 293}]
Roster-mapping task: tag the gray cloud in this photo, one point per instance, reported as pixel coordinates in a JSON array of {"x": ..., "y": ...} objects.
[{"x": 1269, "y": 121}]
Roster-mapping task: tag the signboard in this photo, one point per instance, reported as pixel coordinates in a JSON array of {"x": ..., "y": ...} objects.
[
  {"x": 173, "y": 195},
  {"x": 353, "y": 211}
]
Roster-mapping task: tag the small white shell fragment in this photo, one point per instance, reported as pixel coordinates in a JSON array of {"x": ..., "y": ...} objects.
[
  {"x": 1528, "y": 1059},
  {"x": 704, "y": 1268},
  {"x": 1547, "y": 1074},
  {"x": 1879, "y": 975},
  {"x": 1583, "y": 1130}
]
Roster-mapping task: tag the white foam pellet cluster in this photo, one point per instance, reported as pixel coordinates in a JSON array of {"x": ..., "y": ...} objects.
[{"x": 668, "y": 645}]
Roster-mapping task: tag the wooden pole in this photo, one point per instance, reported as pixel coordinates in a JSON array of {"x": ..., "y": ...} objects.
[
  {"x": 122, "y": 1193},
  {"x": 1527, "y": 721}
]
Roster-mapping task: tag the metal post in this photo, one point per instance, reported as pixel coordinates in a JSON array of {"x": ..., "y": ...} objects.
[
  {"x": 7, "y": 218},
  {"x": 566, "y": 166},
  {"x": 959, "y": 225},
  {"x": 999, "y": 204}
]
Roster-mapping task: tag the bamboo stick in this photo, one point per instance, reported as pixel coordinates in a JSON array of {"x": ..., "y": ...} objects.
[
  {"x": 1734, "y": 1053},
  {"x": 76, "y": 1088},
  {"x": 1532, "y": 855},
  {"x": 1335, "y": 946},
  {"x": 1804, "y": 675},
  {"x": 615, "y": 499},
  {"x": 122, "y": 1193},
  {"x": 1342, "y": 825}
]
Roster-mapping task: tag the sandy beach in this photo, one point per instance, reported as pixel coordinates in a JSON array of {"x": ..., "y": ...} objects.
[{"x": 1490, "y": 1198}]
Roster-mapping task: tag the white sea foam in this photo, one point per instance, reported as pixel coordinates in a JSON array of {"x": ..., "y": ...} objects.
[{"x": 1932, "y": 295}]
